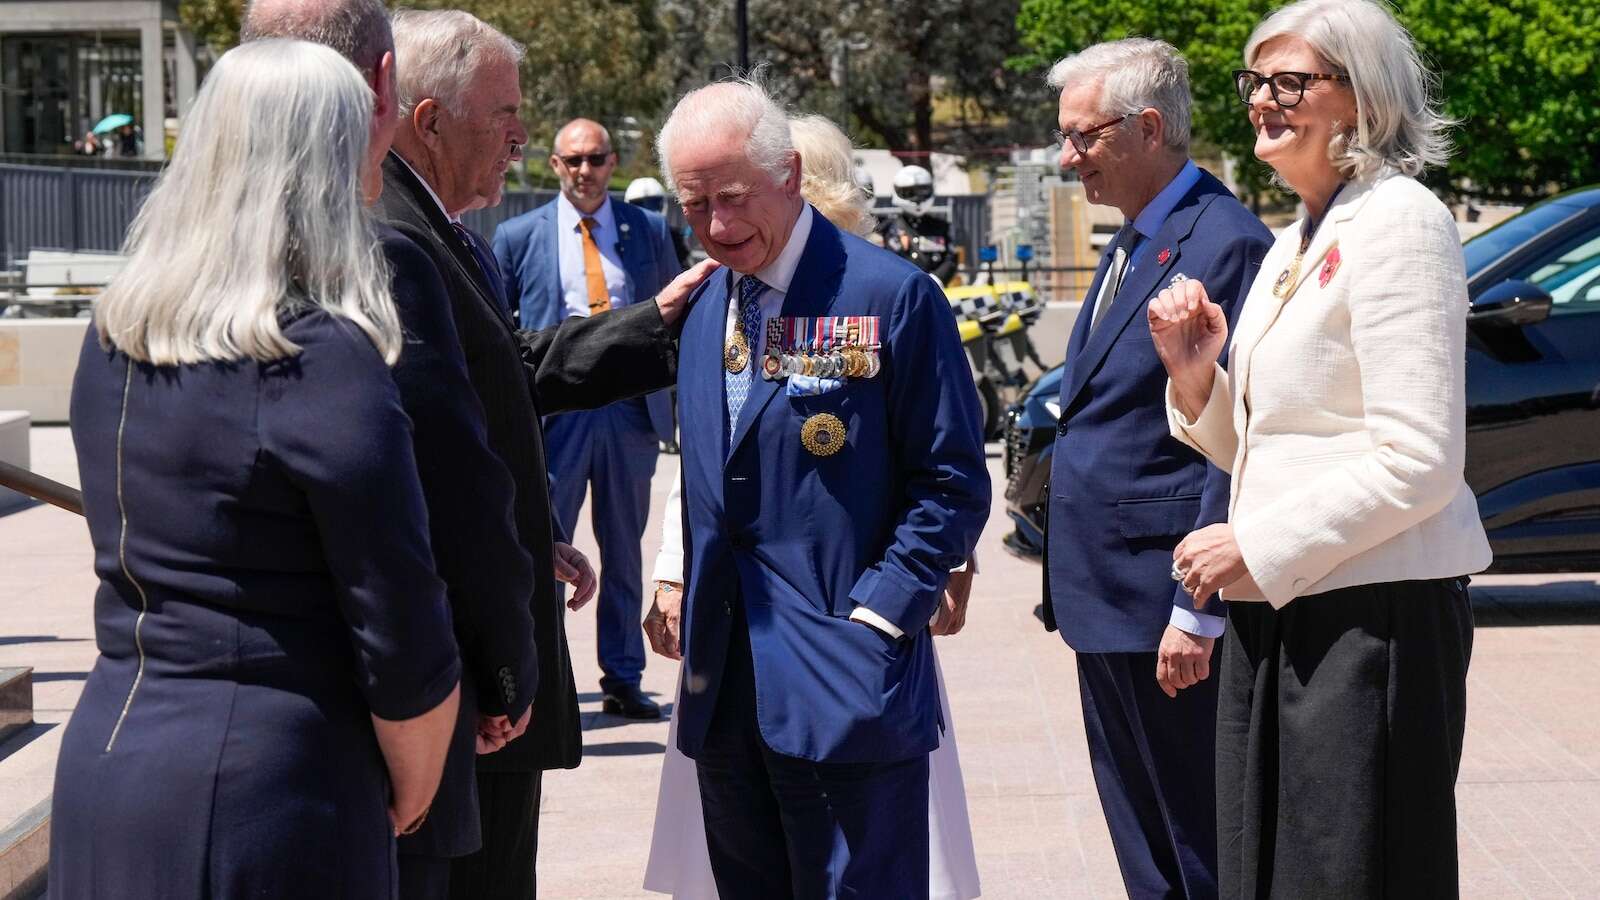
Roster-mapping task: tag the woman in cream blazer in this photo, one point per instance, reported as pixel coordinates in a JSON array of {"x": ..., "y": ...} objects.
[{"x": 1341, "y": 418}]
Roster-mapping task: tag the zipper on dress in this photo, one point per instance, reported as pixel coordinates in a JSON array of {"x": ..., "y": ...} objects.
[{"x": 122, "y": 558}]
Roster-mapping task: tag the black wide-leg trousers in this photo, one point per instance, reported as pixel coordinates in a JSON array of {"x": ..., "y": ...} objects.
[{"x": 1339, "y": 730}]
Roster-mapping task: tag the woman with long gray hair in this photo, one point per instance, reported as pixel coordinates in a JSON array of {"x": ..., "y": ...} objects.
[{"x": 277, "y": 678}]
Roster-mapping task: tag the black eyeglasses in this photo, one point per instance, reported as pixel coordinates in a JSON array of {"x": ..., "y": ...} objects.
[
  {"x": 595, "y": 160},
  {"x": 1081, "y": 139},
  {"x": 1288, "y": 88}
]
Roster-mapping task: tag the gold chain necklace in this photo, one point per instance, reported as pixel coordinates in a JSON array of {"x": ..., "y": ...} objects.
[{"x": 1290, "y": 277}]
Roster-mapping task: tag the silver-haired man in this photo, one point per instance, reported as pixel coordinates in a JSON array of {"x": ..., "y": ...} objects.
[
  {"x": 835, "y": 479},
  {"x": 1122, "y": 491}
]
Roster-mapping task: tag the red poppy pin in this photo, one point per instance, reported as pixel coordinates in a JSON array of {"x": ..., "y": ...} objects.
[
  {"x": 1163, "y": 256},
  {"x": 1330, "y": 265}
]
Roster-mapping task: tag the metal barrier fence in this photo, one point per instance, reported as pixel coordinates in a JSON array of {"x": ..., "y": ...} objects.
[{"x": 89, "y": 209}]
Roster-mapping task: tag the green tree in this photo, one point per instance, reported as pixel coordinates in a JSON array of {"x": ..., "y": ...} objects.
[
  {"x": 1521, "y": 76},
  {"x": 212, "y": 22},
  {"x": 598, "y": 60},
  {"x": 924, "y": 76}
]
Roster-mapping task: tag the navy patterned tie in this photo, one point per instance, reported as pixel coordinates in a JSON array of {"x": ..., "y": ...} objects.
[{"x": 738, "y": 383}]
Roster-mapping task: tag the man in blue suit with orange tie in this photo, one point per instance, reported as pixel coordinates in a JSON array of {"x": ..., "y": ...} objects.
[
  {"x": 1122, "y": 491},
  {"x": 582, "y": 255},
  {"x": 833, "y": 476}
]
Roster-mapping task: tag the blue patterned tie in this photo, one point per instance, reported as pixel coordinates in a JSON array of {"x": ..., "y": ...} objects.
[{"x": 738, "y": 383}]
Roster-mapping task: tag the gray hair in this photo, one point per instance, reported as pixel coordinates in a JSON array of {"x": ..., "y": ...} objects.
[
  {"x": 1396, "y": 96},
  {"x": 439, "y": 52},
  {"x": 252, "y": 222},
  {"x": 827, "y": 174},
  {"x": 1135, "y": 74},
  {"x": 740, "y": 106},
  {"x": 357, "y": 29}
]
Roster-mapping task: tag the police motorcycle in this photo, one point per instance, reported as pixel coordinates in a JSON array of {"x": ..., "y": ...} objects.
[{"x": 993, "y": 316}]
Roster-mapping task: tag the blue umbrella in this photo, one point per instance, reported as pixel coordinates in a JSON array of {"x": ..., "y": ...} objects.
[{"x": 113, "y": 122}]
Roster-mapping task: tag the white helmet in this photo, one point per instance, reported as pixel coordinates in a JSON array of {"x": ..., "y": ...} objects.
[
  {"x": 913, "y": 184},
  {"x": 863, "y": 180},
  {"x": 643, "y": 188}
]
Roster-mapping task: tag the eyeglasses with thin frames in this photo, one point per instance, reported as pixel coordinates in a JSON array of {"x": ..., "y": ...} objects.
[
  {"x": 595, "y": 160},
  {"x": 1287, "y": 88},
  {"x": 1082, "y": 139}
]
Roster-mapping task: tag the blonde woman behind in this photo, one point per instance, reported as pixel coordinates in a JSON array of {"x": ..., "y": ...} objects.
[{"x": 679, "y": 863}]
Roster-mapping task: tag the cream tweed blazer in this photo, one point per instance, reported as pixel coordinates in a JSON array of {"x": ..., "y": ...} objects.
[{"x": 1342, "y": 414}]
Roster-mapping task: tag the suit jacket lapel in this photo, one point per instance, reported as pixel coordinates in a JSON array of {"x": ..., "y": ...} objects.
[
  {"x": 811, "y": 293},
  {"x": 444, "y": 232},
  {"x": 1080, "y": 327},
  {"x": 1137, "y": 287}
]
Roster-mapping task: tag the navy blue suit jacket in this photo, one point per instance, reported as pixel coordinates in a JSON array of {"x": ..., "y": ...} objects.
[
  {"x": 801, "y": 539},
  {"x": 1123, "y": 492},
  {"x": 528, "y": 249},
  {"x": 469, "y": 493}
]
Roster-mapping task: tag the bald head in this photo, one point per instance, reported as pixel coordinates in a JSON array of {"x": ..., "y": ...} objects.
[
  {"x": 585, "y": 131},
  {"x": 357, "y": 29},
  {"x": 583, "y": 160}
]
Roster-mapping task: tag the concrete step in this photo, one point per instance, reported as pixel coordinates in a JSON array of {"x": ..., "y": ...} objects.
[{"x": 27, "y": 763}]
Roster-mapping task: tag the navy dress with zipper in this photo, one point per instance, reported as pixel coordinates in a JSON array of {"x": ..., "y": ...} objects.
[{"x": 266, "y": 586}]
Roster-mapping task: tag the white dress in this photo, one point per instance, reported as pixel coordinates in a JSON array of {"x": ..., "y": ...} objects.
[{"x": 680, "y": 864}]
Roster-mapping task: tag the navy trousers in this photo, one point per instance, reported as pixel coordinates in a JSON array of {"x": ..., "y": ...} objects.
[
  {"x": 781, "y": 827},
  {"x": 613, "y": 451},
  {"x": 1154, "y": 761}
]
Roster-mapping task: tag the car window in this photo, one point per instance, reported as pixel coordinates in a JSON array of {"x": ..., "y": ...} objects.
[
  {"x": 1570, "y": 274},
  {"x": 1491, "y": 246}
]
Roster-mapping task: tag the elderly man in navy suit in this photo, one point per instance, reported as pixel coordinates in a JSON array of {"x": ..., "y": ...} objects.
[
  {"x": 582, "y": 255},
  {"x": 833, "y": 477},
  {"x": 1123, "y": 492}
]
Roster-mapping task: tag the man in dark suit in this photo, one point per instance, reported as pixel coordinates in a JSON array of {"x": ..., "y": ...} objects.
[
  {"x": 832, "y": 479},
  {"x": 582, "y": 255},
  {"x": 469, "y": 491},
  {"x": 455, "y": 140},
  {"x": 1122, "y": 491}
]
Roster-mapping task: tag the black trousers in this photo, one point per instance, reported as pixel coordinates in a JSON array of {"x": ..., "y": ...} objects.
[
  {"x": 1339, "y": 731},
  {"x": 508, "y": 804}
]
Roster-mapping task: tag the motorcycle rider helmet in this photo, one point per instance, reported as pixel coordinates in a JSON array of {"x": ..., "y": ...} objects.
[
  {"x": 863, "y": 180},
  {"x": 646, "y": 192},
  {"x": 913, "y": 189}
]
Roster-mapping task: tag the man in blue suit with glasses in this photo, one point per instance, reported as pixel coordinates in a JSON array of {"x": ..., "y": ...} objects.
[
  {"x": 1122, "y": 491},
  {"x": 833, "y": 476},
  {"x": 584, "y": 255}
]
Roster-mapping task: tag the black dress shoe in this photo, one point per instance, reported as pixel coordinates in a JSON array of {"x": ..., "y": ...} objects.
[{"x": 630, "y": 703}]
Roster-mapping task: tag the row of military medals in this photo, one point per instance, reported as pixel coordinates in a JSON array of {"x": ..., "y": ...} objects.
[{"x": 829, "y": 347}]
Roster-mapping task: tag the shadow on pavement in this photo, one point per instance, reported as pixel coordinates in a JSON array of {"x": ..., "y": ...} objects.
[
  {"x": 624, "y": 748},
  {"x": 1521, "y": 605},
  {"x": 1553, "y": 603},
  {"x": 25, "y": 736},
  {"x": 59, "y": 676},
  {"x": 36, "y": 639}
]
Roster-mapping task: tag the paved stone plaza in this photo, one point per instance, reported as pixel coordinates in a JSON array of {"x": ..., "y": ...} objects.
[{"x": 1529, "y": 790}]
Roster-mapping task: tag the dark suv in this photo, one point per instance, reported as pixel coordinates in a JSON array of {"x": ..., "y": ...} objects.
[{"x": 1533, "y": 395}]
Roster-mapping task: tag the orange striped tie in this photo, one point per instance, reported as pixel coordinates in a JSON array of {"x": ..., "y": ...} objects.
[{"x": 599, "y": 297}]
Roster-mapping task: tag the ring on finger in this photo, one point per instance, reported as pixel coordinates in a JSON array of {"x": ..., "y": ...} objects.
[{"x": 1178, "y": 574}]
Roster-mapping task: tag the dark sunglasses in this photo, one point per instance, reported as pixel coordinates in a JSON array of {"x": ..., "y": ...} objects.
[
  {"x": 1288, "y": 88},
  {"x": 595, "y": 160},
  {"x": 1080, "y": 140}
]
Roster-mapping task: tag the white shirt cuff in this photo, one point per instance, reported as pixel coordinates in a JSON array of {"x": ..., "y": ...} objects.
[
  {"x": 1198, "y": 624},
  {"x": 669, "y": 566},
  {"x": 868, "y": 617}
]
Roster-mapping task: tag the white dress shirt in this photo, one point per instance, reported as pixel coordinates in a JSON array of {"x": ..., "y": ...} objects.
[
  {"x": 429, "y": 188},
  {"x": 574, "y": 279}
]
